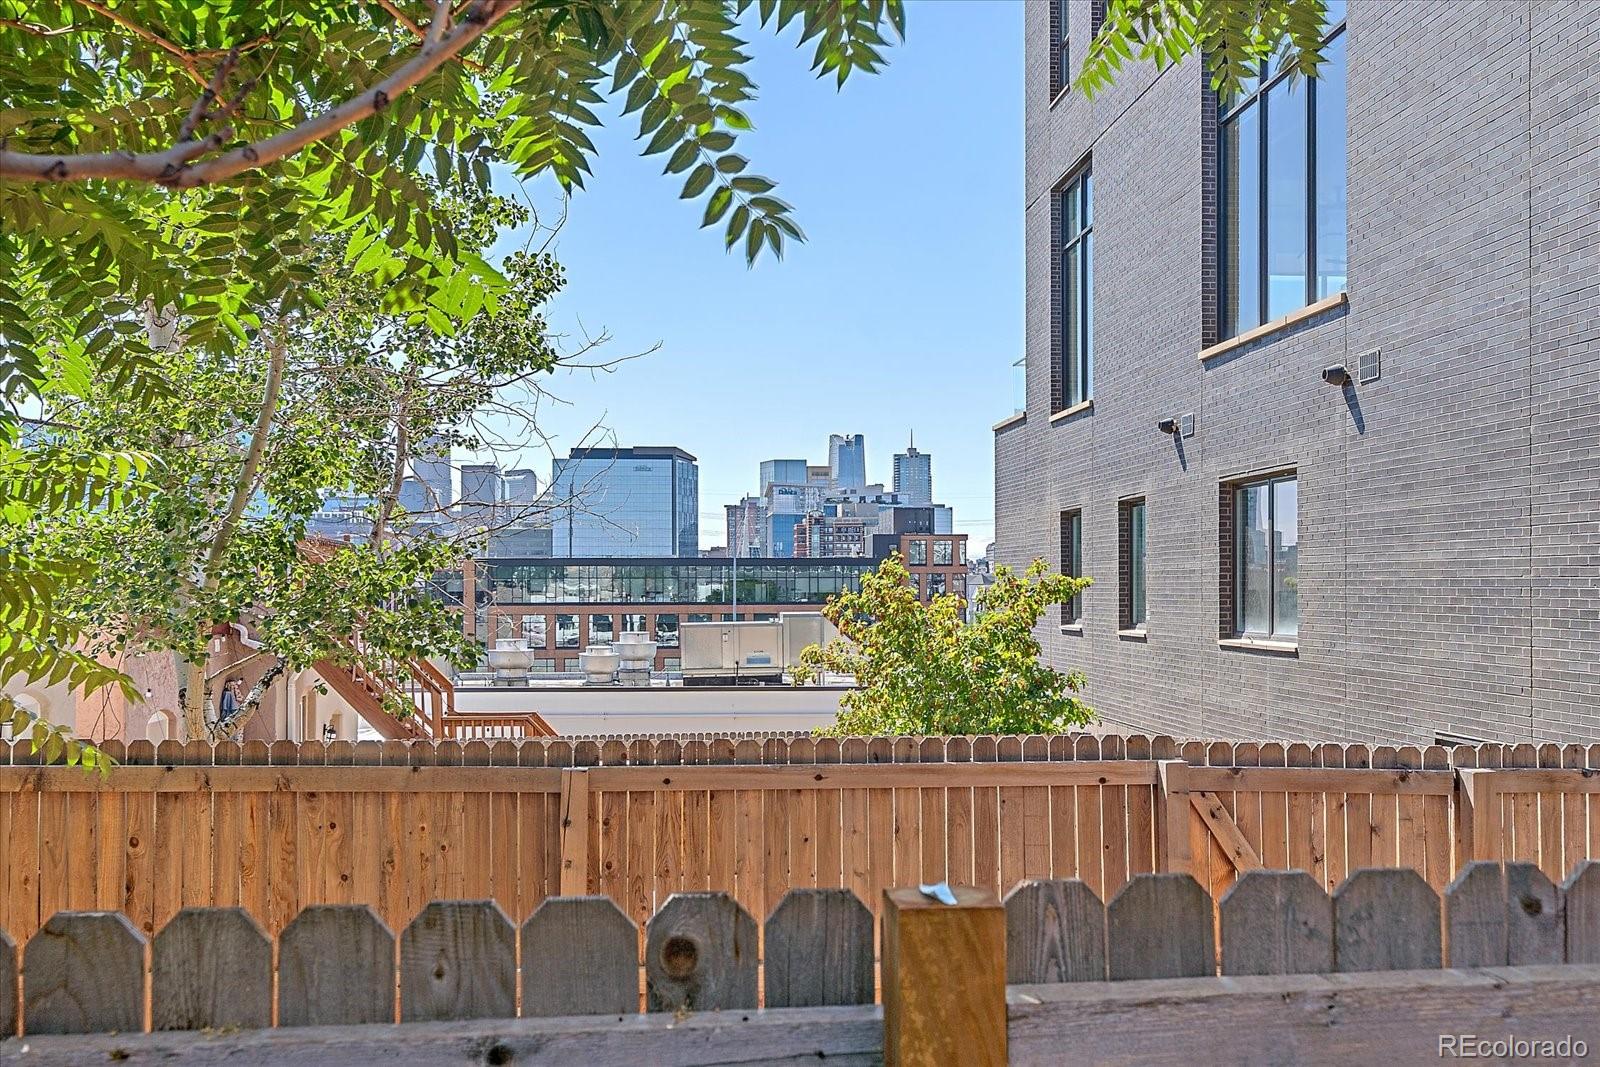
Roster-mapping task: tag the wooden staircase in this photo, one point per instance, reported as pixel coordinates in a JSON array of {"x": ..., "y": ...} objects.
[
  {"x": 415, "y": 684},
  {"x": 421, "y": 686}
]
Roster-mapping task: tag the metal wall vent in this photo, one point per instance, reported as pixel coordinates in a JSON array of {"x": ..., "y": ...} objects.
[{"x": 1369, "y": 368}]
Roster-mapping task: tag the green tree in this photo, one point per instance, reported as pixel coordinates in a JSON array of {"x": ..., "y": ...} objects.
[
  {"x": 922, "y": 669},
  {"x": 1234, "y": 36},
  {"x": 248, "y": 440},
  {"x": 187, "y": 167}
]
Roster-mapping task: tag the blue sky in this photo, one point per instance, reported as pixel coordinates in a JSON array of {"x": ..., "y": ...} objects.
[{"x": 902, "y": 312}]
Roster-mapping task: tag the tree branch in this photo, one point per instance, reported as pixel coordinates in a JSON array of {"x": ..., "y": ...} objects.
[
  {"x": 243, "y": 486},
  {"x": 173, "y": 167}
]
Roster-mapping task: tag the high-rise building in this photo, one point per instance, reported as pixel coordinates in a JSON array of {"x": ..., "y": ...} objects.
[
  {"x": 642, "y": 501},
  {"x": 1327, "y": 445},
  {"x": 746, "y": 531},
  {"x": 847, "y": 460},
  {"x": 482, "y": 485},
  {"x": 430, "y": 464},
  {"x": 789, "y": 471},
  {"x": 913, "y": 476},
  {"x": 522, "y": 486},
  {"x": 415, "y": 497}
]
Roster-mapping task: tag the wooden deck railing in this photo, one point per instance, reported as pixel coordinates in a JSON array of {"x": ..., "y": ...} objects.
[{"x": 977, "y": 983}]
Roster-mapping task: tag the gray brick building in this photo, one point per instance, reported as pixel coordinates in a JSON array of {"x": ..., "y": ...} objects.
[{"x": 1431, "y": 566}]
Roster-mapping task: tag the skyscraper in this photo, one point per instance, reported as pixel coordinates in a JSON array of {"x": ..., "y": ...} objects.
[
  {"x": 482, "y": 489},
  {"x": 641, "y": 501},
  {"x": 430, "y": 464},
  {"x": 847, "y": 460},
  {"x": 788, "y": 471},
  {"x": 913, "y": 476},
  {"x": 522, "y": 486}
]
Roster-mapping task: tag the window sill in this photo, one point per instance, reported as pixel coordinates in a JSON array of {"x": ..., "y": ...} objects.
[
  {"x": 1294, "y": 318},
  {"x": 1061, "y": 94},
  {"x": 1260, "y": 644},
  {"x": 1076, "y": 409},
  {"x": 1137, "y": 633},
  {"x": 1010, "y": 421},
  {"x": 1073, "y": 628}
]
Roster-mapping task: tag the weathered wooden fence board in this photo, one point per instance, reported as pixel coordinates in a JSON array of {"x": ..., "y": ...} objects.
[
  {"x": 1159, "y": 926},
  {"x": 593, "y": 930},
  {"x": 335, "y": 966},
  {"x": 1276, "y": 922},
  {"x": 1385, "y": 920},
  {"x": 1055, "y": 932},
  {"x": 1378, "y": 1017},
  {"x": 701, "y": 955},
  {"x": 84, "y": 973},
  {"x": 458, "y": 960},
  {"x": 211, "y": 967},
  {"x": 818, "y": 950}
]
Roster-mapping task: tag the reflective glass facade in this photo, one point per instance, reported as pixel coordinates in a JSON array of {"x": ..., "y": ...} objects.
[
  {"x": 626, "y": 502},
  {"x": 666, "y": 581}
]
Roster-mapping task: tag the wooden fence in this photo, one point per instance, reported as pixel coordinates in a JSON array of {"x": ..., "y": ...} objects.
[
  {"x": 215, "y": 970},
  {"x": 277, "y": 828}
]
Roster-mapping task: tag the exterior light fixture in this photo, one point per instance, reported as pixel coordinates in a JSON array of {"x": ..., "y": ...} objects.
[
  {"x": 1336, "y": 375},
  {"x": 1168, "y": 425}
]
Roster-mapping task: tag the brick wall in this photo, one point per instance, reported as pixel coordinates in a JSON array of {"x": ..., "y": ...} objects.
[{"x": 1449, "y": 515}]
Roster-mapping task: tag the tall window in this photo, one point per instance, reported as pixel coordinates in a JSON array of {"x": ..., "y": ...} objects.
[
  {"x": 943, "y": 553},
  {"x": 1131, "y": 535},
  {"x": 918, "y": 554},
  {"x": 1266, "y": 558},
  {"x": 1077, "y": 291},
  {"x": 1063, "y": 61},
  {"x": 1072, "y": 562},
  {"x": 1282, "y": 144}
]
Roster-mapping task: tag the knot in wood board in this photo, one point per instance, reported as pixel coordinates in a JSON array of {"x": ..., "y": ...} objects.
[{"x": 680, "y": 956}]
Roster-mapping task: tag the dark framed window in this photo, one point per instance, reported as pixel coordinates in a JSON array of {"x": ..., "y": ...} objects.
[
  {"x": 1060, "y": 58},
  {"x": 1266, "y": 557},
  {"x": 936, "y": 585},
  {"x": 1072, "y": 563},
  {"x": 1281, "y": 145},
  {"x": 1076, "y": 299},
  {"x": 635, "y": 623},
  {"x": 533, "y": 630},
  {"x": 566, "y": 631},
  {"x": 917, "y": 554},
  {"x": 667, "y": 630},
  {"x": 1132, "y": 544},
  {"x": 943, "y": 553},
  {"x": 602, "y": 629}
]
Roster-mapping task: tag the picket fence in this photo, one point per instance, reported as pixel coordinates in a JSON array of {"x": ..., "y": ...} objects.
[
  {"x": 278, "y": 828},
  {"x": 210, "y": 977}
]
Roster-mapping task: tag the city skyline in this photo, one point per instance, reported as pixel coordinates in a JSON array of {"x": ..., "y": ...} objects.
[{"x": 878, "y": 324}]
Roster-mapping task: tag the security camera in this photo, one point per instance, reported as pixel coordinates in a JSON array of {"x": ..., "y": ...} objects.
[
  {"x": 1336, "y": 375},
  {"x": 1168, "y": 425}
]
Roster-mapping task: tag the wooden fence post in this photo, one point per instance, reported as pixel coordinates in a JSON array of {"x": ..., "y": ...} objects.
[
  {"x": 574, "y": 832},
  {"x": 1172, "y": 820},
  {"x": 944, "y": 979},
  {"x": 1477, "y": 816}
]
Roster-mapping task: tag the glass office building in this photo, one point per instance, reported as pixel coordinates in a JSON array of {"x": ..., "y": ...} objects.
[
  {"x": 626, "y": 502},
  {"x": 510, "y": 582},
  {"x": 559, "y": 606}
]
